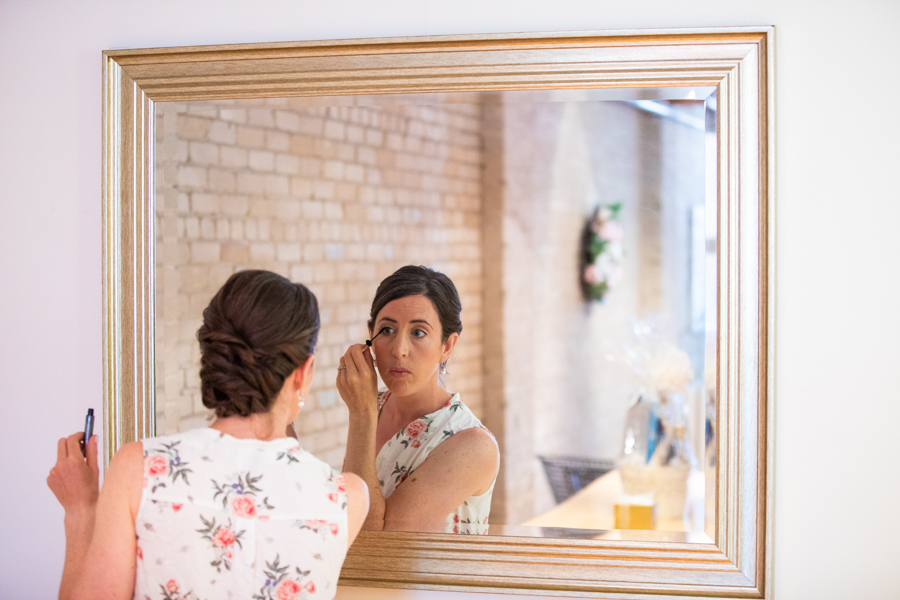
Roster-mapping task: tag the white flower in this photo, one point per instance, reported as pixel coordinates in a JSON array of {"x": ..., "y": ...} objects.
[
  {"x": 604, "y": 214},
  {"x": 615, "y": 251},
  {"x": 606, "y": 266}
]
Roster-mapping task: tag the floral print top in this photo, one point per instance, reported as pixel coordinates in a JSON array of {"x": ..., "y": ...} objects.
[
  {"x": 224, "y": 518},
  {"x": 404, "y": 452}
]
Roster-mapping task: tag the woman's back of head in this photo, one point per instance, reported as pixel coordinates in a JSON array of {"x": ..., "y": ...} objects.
[{"x": 257, "y": 329}]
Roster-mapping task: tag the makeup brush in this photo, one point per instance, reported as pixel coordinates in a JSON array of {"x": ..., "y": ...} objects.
[{"x": 380, "y": 331}]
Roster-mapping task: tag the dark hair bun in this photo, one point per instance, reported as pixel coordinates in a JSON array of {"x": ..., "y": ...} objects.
[{"x": 257, "y": 329}]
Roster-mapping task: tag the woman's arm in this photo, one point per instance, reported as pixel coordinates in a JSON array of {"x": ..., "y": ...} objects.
[
  {"x": 357, "y": 384},
  {"x": 75, "y": 483},
  {"x": 357, "y": 504},
  {"x": 464, "y": 465},
  {"x": 107, "y": 569}
]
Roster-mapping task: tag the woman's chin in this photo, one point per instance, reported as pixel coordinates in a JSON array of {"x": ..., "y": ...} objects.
[{"x": 400, "y": 387}]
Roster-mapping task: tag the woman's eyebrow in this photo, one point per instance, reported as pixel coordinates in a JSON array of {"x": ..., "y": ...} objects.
[
  {"x": 421, "y": 321},
  {"x": 387, "y": 319}
]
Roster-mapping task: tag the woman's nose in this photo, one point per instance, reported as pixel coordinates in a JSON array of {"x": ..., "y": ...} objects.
[{"x": 400, "y": 346}]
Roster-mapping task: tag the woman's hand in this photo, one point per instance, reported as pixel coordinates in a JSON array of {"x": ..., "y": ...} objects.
[
  {"x": 356, "y": 380},
  {"x": 75, "y": 480}
]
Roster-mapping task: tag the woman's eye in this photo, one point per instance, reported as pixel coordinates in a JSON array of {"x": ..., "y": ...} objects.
[
  {"x": 418, "y": 333},
  {"x": 386, "y": 331}
]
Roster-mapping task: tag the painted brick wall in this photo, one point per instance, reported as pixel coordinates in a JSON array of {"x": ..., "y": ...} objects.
[{"x": 335, "y": 197}]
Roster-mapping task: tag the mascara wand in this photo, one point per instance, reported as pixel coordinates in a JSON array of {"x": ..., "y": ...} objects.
[{"x": 380, "y": 331}]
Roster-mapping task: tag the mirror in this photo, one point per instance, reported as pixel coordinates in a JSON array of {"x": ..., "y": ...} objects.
[
  {"x": 727, "y": 548},
  {"x": 338, "y": 192}
]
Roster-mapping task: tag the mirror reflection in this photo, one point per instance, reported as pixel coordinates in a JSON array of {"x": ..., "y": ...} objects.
[{"x": 578, "y": 229}]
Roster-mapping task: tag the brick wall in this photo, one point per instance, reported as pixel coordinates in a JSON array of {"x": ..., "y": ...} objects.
[{"x": 335, "y": 197}]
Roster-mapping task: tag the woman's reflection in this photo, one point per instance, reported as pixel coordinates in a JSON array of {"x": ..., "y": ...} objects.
[{"x": 428, "y": 461}]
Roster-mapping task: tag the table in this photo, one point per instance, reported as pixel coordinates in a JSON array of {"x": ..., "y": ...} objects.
[{"x": 593, "y": 508}]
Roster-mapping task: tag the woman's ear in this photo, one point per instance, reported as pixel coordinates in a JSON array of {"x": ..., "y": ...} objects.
[
  {"x": 303, "y": 375},
  {"x": 448, "y": 346}
]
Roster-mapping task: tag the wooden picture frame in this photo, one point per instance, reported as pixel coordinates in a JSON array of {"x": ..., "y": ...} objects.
[{"x": 737, "y": 61}]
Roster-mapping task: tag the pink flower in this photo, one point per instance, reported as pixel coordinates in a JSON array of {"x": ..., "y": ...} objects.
[
  {"x": 224, "y": 537},
  {"x": 172, "y": 586},
  {"x": 415, "y": 428},
  {"x": 416, "y": 443},
  {"x": 456, "y": 518},
  {"x": 228, "y": 555},
  {"x": 403, "y": 476},
  {"x": 157, "y": 465},
  {"x": 610, "y": 231},
  {"x": 590, "y": 274},
  {"x": 334, "y": 528},
  {"x": 339, "y": 482},
  {"x": 315, "y": 523},
  {"x": 456, "y": 529},
  {"x": 448, "y": 403},
  {"x": 140, "y": 553},
  {"x": 243, "y": 506},
  {"x": 177, "y": 507},
  {"x": 287, "y": 590},
  {"x": 333, "y": 497},
  {"x": 310, "y": 587}
]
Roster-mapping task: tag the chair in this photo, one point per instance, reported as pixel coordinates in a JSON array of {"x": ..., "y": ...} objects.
[{"x": 568, "y": 475}]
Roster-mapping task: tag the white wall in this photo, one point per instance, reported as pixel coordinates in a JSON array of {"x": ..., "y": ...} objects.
[{"x": 838, "y": 363}]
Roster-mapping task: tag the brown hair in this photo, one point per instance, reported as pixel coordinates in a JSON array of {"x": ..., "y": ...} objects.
[
  {"x": 257, "y": 329},
  {"x": 421, "y": 281}
]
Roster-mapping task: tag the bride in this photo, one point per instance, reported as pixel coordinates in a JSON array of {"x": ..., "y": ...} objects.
[{"x": 429, "y": 463}]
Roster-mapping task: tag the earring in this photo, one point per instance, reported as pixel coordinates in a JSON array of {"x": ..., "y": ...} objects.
[
  {"x": 300, "y": 400},
  {"x": 444, "y": 368}
]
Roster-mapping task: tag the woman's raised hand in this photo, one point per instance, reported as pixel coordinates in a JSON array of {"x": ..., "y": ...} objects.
[
  {"x": 356, "y": 379},
  {"x": 75, "y": 480}
]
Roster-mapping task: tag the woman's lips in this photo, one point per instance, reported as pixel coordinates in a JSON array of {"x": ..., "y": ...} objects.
[{"x": 399, "y": 372}]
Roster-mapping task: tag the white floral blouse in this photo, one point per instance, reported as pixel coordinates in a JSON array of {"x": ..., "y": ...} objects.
[
  {"x": 403, "y": 453},
  {"x": 227, "y": 518}
]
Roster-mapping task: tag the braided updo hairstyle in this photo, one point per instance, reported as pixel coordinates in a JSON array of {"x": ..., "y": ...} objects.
[{"x": 257, "y": 329}]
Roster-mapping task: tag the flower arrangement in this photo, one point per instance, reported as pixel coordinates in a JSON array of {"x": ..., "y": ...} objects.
[
  {"x": 670, "y": 369},
  {"x": 601, "y": 253}
]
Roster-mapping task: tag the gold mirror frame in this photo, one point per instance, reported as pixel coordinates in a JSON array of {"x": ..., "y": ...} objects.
[{"x": 737, "y": 61}]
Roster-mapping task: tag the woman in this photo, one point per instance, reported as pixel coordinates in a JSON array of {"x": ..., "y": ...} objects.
[
  {"x": 234, "y": 510},
  {"x": 429, "y": 463}
]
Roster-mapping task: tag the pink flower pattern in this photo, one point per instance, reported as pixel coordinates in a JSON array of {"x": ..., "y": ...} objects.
[
  {"x": 242, "y": 496},
  {"x": 284, "y": 583},
  {"x": 320, "y": 526},
  {"x": 303, "y": 568},
  {"x": 164, "y": 463},
  {"x": 243, "y": 506},
  {"x": 222, "y": 538},
  {"x": 406, "y": 450}
]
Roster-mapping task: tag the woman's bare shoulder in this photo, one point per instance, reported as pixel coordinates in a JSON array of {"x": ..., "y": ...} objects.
[
  {"x": 124, "y": 479},
  {"x": 127, "y": 457},
  {"x": 474, "y": 443}
]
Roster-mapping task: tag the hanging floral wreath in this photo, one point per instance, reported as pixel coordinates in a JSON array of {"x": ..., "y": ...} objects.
[{"x": 601, "y": 252}]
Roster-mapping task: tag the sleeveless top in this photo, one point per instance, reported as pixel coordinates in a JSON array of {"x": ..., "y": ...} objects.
[
  {"x": 403, "y": 453},
  {"x": 222, "y": 517}
]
